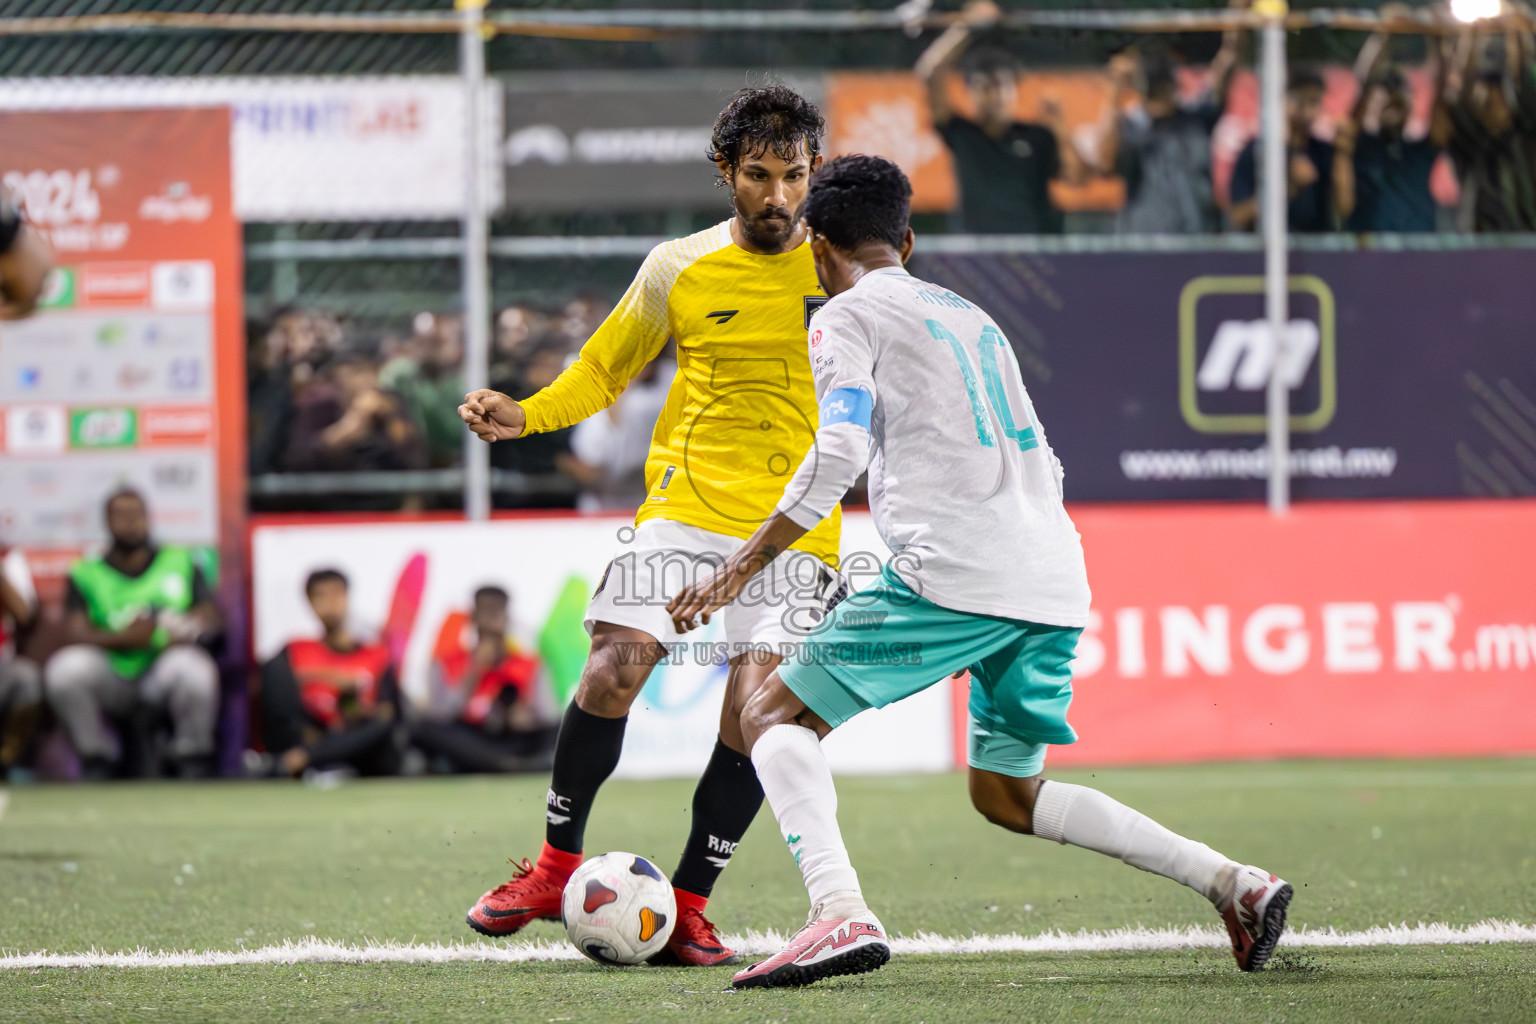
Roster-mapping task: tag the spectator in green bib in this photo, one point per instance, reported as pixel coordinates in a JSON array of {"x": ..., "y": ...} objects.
[{"x": 134, "y": 618}]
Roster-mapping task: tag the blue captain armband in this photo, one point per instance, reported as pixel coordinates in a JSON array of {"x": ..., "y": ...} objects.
[{"x": 847, "y": 405}]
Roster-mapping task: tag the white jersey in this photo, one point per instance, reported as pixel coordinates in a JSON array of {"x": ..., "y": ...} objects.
[{"x": 962, "y": 484}]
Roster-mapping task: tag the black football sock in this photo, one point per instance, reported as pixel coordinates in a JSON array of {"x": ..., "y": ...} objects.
[
  {"x": 586, "y": 753},
  {"x": 724, "y": 805}
]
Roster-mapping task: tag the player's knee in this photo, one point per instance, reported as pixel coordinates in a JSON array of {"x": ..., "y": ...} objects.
[
  {"x": 22, "y": 684},
  {"x": 71, "y": 671},
  {"x": 193, "y": 673},
  {"x": 1002, "y": 812},
  {"x": 754, "y": 721},
  {"x": 1005, "y": 801},
  {"x": 614, "y": 674},
  {"x": 769, "y": 705},
  {"x": 746, "y": 681}
]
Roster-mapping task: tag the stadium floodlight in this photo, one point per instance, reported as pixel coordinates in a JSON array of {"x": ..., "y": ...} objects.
[{"x": 1468, "y": 11}]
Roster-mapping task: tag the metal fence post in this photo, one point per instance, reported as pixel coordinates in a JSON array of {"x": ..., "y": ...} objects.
[
  {"x": 1274, "y": 200},
  {"x": 475, "y": 270}
]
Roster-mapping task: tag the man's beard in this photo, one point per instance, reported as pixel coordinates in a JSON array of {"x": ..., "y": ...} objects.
[{"x": 767, "y": 229}]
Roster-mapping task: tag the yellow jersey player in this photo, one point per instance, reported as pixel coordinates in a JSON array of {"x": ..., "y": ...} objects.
[{"x": 740, "y": 415}]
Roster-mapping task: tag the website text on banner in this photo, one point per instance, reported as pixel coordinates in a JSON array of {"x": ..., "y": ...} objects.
[
  {"x": 1149, "y": 369},
  {"x": 132, "y": 372}
]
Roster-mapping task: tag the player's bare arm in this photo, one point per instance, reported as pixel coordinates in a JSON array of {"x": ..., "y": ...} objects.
[{"x": 942, "y": 54}]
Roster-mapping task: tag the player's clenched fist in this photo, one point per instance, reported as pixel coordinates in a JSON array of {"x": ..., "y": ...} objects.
[{"x": 492, "y": 416}]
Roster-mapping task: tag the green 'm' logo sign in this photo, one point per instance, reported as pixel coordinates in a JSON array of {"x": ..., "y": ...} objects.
[{"x": 103, "y": 428}]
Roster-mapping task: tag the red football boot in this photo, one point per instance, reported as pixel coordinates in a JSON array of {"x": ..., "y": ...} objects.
[
  {"x": 694, "y": 943},
  {"x": 532, "y": 894}
]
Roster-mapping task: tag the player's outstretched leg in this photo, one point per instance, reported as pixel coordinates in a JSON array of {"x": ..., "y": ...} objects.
[
  {"x": 841, "y": 936},
  {"x": 726, "y": 800},
  {"x": 1251, "y": 901},
  {"x": 586, "y": 753}
]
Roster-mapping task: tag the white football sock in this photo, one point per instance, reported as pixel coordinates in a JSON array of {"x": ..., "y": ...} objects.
[
  {"x": 798, "y": 783},
  {"x": 1087, "y": 818}
]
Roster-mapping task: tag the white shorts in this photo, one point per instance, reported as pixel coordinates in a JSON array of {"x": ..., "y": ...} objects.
[{"x": 781, "y": 605}]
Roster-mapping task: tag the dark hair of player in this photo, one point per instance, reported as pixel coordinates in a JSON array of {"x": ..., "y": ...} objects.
[
  {"x": 1305, "y": 78},
  {"x": 763, "y": 118},
  {"x": 320, "y": 576},
  {"x": 492, "y": 593},
  {"x": 1159, "y": 69},
  {"x": 859, "y": 199},
  {"x": 991, "y": 61},
  {"x": 125, "y": 492}
]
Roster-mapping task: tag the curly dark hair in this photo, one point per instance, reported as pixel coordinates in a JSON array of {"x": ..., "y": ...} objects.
[
  {"x": 320, "y": 576},
  {"x": 986, "y": 61},
  {"x": 858, "y": 199},
  {"x": 763, "y": 118}
]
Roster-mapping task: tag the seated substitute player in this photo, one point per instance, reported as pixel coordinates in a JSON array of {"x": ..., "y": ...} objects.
[
  {"x": 987, "y": 574},
  {"x": 331, "y": 703},
  {"x": 480, "y": 715},
  {"x": 739, "y": 415},
  {"x": 137, "y": 620}
]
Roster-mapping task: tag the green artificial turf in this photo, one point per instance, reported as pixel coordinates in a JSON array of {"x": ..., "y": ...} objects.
[{"x": 226, "y": 866}]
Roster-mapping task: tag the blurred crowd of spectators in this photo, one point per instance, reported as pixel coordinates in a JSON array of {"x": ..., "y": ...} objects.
[
  {"x": 1368, "y": 171},
  {"x": 132, "y": 683},
  {"x": 327, "y": 396}
]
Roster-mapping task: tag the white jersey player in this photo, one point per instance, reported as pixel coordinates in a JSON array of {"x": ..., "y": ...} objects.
[{"x": 921, "y": 387}]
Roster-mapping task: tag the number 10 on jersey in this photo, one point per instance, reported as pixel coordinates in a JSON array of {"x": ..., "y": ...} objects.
[{"x": 997, "y": 394}]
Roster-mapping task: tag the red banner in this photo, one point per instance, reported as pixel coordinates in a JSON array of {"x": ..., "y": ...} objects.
[
  {"x": 132, "y": 371},
  {"x": 1339, "y": 630}
]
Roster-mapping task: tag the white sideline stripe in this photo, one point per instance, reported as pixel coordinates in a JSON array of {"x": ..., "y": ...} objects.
[
  {"x": 5, "y": 801},
  {"x": 313, "y": 950}
]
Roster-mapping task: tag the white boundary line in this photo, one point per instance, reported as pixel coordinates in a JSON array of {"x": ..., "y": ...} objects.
[{"x": 313, "y": 950}]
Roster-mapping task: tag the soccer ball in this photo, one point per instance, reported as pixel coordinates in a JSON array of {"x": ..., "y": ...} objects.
[{"x": 618, "y": 909}]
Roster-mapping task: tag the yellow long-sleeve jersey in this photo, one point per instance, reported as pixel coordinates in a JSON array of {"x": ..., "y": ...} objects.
[{"x": 741, "y": 412}]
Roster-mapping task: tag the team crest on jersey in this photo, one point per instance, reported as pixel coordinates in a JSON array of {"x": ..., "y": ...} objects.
[
  {"x": 812, "y": 304},
  {"x": 821, "y": 352}
]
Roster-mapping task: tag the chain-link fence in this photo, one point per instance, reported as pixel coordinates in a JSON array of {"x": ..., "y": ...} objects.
[{"x": 1029, "y": 135}]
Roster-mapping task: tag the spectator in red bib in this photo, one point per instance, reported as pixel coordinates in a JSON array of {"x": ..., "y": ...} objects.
[
  {"x": 482, "y": 715},
  {"x": 331, "y": 703}
]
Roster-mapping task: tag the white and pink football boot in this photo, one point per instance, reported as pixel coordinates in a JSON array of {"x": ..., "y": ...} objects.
[
  {"x": 1254, "y": 910},
  {"x": 825, "y": 948}
]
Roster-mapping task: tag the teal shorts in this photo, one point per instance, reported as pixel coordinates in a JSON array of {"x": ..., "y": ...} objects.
[{"x": 886, "y": 642}]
